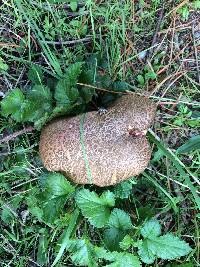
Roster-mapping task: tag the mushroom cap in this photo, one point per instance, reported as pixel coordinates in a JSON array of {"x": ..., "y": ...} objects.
[{"x": 98, "y": 149}]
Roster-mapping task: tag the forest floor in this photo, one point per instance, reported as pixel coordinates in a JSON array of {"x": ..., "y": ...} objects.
[{"x": 148, "y": 47}]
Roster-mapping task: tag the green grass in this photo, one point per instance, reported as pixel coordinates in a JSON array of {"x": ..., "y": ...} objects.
[{"x": 40, "y": 42}]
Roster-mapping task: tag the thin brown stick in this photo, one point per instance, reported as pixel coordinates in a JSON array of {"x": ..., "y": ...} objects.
[
  {"x": 101, "y": 89},
  {"x": 150, "y": 52},
  {"x": 8, "y": 45},
  {"x": 195, "y": 52},
  {"x": 70, "y": 42},
  {"x": 177, "y": 7},
  {"x": 14, "y": 135}
]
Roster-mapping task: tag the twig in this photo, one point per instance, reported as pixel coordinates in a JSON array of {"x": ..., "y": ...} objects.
[
  {"x": 165, "y": 80},
  {"x": 14, "y": 135},
  {"x": 177, "y": 7},
  {"x": 71, "y": 42},
  {"x": 150, "y": 52},
  {"x": 101, "y": 89},
  {"x": 9, "y": 45},
  {"x": 196, "y": 53}
]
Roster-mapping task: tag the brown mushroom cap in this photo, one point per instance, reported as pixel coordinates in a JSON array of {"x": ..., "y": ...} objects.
[{"x": 98, "y": 149}]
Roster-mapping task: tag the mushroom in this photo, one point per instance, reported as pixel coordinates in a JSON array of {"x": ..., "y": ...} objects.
[{"x": 101, "y": 149}]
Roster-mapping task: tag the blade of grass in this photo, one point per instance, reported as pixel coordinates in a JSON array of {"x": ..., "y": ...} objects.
[
  {"x": 151, "y": 179},
  {"x": 184, "y": 172},
  {"x": 21, "y": 60},
  {"x": 51, "y": 57},
  {"x": 68, "y": 232}
]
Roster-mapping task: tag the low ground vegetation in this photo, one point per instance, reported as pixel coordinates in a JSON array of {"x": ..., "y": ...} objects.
[{"x": 67, "y": 57}]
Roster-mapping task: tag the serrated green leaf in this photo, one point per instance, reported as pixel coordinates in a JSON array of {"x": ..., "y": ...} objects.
[
  {"x": 120, "y": 219},
  {"x": 72, "y": 73},
  {"x": 12, "y": 104},
  {"x": 52, "y": 207},
  {"x": 112, "y": 237},
  {"x": 129, "y": 259},
  {"x": 40, "y": 93},
  {"x": 39, "y": 123},
  {"x": 35, "y": 74},
  {"x": 66, "y": 89},
  {"x": 56, "y": 191},
  {"x": 61, "y": 93},
  {"x": 126, "y": 242},
  {"x": 151, "y": 228},
  {"x": 73, "y": 5},
  {"x": 123, "y": 190},
  {"x": 169, "y": 247},
  {"x": 118, "y": 259},
  {"x": 82, "y": 253},
  {"x": 191, "y": 144},
  {"x": 96, "y": 209},
  {"x": 119, "y": 222},
  {"x": 119, "y": 86},
  {"x": 108, "y": 198},
  {"x": 145, "y": 252},
  {"x": 38, "y": 103},
  {"x": 57, "y": 185},
  {"x": 103, "y": 81}
]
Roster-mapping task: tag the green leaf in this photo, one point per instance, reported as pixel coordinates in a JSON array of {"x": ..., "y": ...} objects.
[
  {"x": 169, "y": 247},
  {"x": 57, "y": 185},
  {"x": 73, "y": 5},
  {"x": 73, "y": 223},
  {"x": 196, "y": 4},
  {"x": 184, "y": 11},
  {"x": 6, "y": 215},
  {"x": 12, "y": 104},
  {"x": 96, "y": 209},
  {"x": 151, "y": 228},
  {"x": 145, "y": 253},
  {"x": 140, "y": 79},
  {"x": 54, "y": 196},
  {"x": 123, "y": 190},
  {"x": 35, "y": 74},
  {"x": 118, "y": 223},
  {"x": 3, "y": 66},
  {"x": 66, "y": 89},
  {"x": 112, "y": 238},
  {"x": 52, "y": 207},
  {"x": 120, "y": 219},
  {"x": 38, "y": 103},
  {"x": 61, "y": 92},
  {"x": 40, "y": 93},
  {"x": 118, "y": 259},
  {"x": 166, "y": 247},
  {"x": 191, "y": 144},
  {"x": 150, "y": 75},
  {"x": 126, "y": 242},
  {"x": 42, "y": 249},
  {"x": 82, "y": 253},
  {"x": 129, "y": 259}
]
